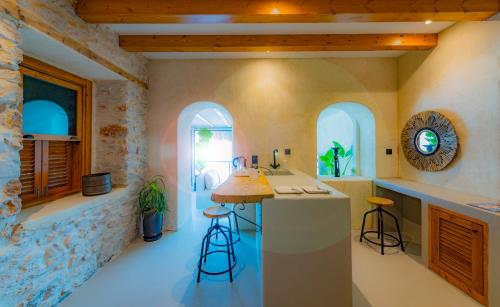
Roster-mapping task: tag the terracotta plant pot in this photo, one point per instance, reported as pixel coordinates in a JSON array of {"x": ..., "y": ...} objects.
[{"x": 152, "y": 224}]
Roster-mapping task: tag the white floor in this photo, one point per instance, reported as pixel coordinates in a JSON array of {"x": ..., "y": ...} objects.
[{"x": 163, "y": 273}]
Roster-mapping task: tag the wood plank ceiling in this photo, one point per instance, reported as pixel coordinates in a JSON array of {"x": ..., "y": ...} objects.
[{"x": 292, "y": 11}]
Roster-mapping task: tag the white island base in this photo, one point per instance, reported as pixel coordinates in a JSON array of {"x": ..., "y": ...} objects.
[{"x": 306, "y": 246}]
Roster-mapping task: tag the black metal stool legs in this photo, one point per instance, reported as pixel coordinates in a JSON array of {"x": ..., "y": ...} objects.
[
  {"x": 380, "y": 231},
  {"x": 229, "y": 250},
  {"x": 397, "y": 227},
  {"x": 378, "y": 224},
  {"x": 363, "y": 226},
  {"x": 201, "y": 255},
  {"x": 235, "y": 216}
]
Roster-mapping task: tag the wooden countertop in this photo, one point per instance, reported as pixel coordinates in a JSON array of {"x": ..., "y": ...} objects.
[{"x": 240, "y": 190}]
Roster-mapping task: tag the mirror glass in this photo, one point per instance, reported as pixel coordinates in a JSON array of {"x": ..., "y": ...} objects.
[{"x": 426, "y": 142}]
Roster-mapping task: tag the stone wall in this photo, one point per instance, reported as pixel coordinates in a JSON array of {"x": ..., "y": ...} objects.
[
  {"x": 10, "y": 119},
  {"x": 48, "y": 250},
  {"x": 119, "y": 131},
  {"x": 58, "y": 19},
  {"x": 47, "y": 258}
]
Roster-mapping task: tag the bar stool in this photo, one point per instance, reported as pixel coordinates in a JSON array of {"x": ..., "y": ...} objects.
[
  {"x": 381, "y": 202},
  {"x": 235, "y": 218},
  {"x": 216, "y": 213}
]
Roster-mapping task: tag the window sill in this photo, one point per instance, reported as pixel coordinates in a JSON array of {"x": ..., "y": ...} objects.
[{"x": 64, "y": 207}]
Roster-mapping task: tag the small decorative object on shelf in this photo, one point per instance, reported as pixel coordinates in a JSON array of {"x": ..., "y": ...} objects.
[
  {"x": 96, "y": 184},
  {"x": 429, "y": 141},
  {"x": 153, "y": 204}
]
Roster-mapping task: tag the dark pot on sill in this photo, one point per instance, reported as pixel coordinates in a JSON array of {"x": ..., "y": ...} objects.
[{"x": 152, "y": 224}]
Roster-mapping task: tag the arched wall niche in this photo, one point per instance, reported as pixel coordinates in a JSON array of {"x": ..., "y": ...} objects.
[{"x": 363, "y": 134}]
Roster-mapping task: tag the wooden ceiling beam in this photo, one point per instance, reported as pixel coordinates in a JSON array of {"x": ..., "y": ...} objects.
[
  {"x": 242, "y": 43},
  {"x": 273, "y": 11}
]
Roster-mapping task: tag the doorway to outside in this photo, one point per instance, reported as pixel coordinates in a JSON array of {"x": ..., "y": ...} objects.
[
  {"x": 204, "y": 156},
  {"x": 212, "y": 146},
  {"x": 211, "y": 153}
]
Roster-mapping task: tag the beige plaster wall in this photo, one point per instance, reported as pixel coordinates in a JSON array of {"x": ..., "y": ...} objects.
[
  {"x": 274, "y": 104},
  {"x": 358, "y": 189},
  {"x": 461, "y": 79}
]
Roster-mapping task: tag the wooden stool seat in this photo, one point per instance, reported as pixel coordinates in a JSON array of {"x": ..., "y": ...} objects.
[
  {"x": 380, "y": 201},
  {"x": 216, "y": 212}
]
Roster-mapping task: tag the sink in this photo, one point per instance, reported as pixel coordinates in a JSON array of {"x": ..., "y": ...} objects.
[{"x": 277, "y": 172}]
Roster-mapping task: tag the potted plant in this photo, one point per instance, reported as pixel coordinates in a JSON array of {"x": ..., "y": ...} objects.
[{"x": 153, "y": 202}]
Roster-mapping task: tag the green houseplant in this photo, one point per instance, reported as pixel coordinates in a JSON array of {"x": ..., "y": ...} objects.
[
  {"x": 345, "y": 155},
  {"x": 153, "y": 204},
  {"x": 202, "y": 143}
]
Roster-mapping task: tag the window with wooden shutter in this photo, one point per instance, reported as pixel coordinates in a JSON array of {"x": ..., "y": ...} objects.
[{"x": 56, "y": 128}]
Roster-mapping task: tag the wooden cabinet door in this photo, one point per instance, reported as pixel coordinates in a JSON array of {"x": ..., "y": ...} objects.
[{"x": 459, "y": 252}]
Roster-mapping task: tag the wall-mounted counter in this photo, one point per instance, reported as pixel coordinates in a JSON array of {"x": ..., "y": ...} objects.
[{"x": 454, "y": 227}]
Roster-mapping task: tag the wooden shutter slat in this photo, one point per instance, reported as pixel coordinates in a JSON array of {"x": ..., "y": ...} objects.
[
  {"x": 454, "y": 228},
  {"x": 59, "y": 167},
  {"x": 27, "y": 158},
  {"x": 456, "y": 247},
  {"x": 457, "y": 263},
  {"x": 30, "y": 157}
]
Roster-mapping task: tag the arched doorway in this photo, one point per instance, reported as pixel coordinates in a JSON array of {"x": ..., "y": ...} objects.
[{"x": 204, "y": 151}]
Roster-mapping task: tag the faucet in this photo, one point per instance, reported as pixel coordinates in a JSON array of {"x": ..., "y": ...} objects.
[{"x": 274, "y": 164}]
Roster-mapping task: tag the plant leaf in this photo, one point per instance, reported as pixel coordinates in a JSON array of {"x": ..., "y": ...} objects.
[
  {"x": 349, "y": 152},
  {"x": 340, "y": 147}
]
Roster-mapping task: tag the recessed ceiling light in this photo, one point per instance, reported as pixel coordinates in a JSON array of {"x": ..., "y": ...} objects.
[
  {"x": 428, "y": 22},
  {"x": 267, "y": 51},
  {"x": 275, "y": 11}
]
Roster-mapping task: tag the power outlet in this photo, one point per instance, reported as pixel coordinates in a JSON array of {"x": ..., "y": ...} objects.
[{"x": 288, "y": 151}]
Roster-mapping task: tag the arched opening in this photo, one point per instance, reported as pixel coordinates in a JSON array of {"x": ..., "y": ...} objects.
[
  {"x": 349, "y": 127},
  {"x": 55, "y": 118},
  {"x": 205, "y": 149}
]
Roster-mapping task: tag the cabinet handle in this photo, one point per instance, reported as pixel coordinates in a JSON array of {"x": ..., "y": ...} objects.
[{"x": 37, "y": 192}]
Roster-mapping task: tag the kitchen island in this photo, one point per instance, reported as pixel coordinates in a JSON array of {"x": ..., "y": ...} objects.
[{"x": 306, "y": 240}]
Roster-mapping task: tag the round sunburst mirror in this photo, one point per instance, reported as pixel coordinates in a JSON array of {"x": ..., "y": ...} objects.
[{"x": 429, "y": 141}]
